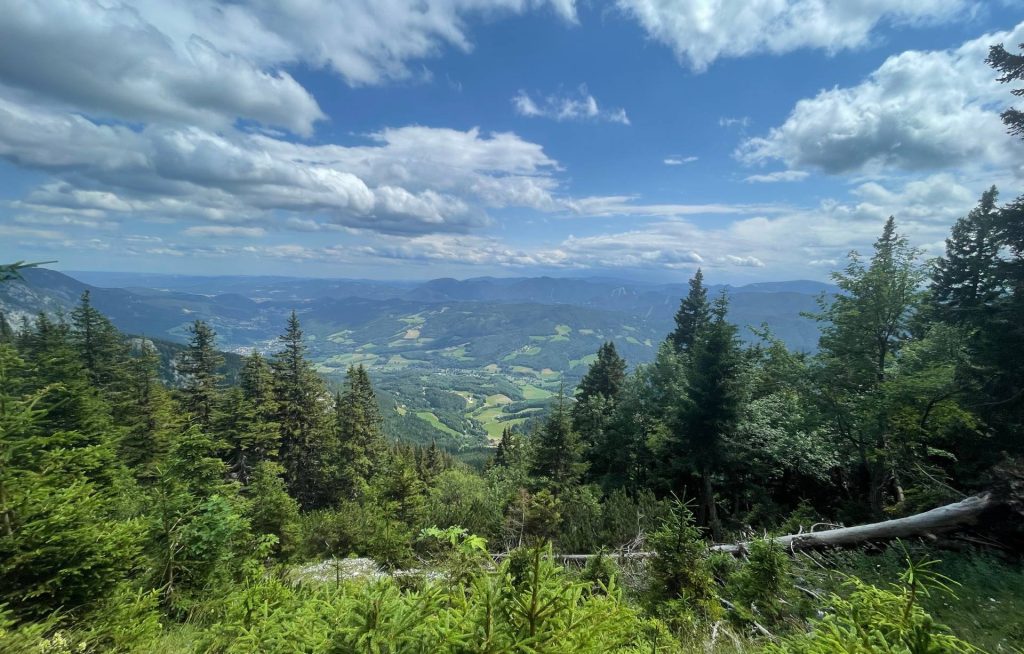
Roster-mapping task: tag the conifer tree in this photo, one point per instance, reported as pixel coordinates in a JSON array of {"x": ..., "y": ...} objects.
[
  {"x": 509, "y": 450},
  {"x": 557, "y": 454},
  {"x": 300, "y": 398},
  {"x": 99, "y": 344},
  {"x": 147, "y": 413},
  {"x": 200, "y": 364},
  {"x": 7, "y": 334},
  {"x": 360, "y": 434},
  {"x": 967, "y": 282},
  {"x": 711, "y": 412},
  {"x": 596, "y": 396},
  {"x": 693, "y": 315},
  {"x": 605, "y": 375},
  {"x": 1012, "y": 68}
]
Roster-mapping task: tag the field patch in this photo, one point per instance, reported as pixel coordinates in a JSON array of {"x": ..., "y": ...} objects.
[{"x": 429, "y": 417}]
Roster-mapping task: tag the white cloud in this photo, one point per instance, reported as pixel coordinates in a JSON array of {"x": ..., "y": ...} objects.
[
  {"x": 581, "y": 106},
  {"x": 679, "y": 161},
  {"x": 209, "y": 63},
  {"x": 627, "y": 205},
  {"x": 225, "y": 231},
  {"x": 701, "y": 31},
  {"x": 408, "y": 180},
  {"x": 109, "y": 60},
  {"x": 742, "y": 121},
  {"x": 918, "y": 111},
  {"x": 778, "y": 176},
  {"x": 751, "y": 262}
]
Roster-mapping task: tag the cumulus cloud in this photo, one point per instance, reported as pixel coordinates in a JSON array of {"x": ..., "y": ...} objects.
[
  {"x": 581, "y": 106},
  {"x": 407, "y": 180},
  {"x": 210, "y": 63},
  {"x": 778, "y": 176},
  {"x": 918, "y": 111},
  {"x": 701, "y": 31}
]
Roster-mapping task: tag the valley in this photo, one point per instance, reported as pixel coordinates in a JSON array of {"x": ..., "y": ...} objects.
[{"x": 456, "y": 361}]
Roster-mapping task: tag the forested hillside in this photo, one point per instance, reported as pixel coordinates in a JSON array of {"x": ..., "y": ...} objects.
[{"x": 206, "y": 514}]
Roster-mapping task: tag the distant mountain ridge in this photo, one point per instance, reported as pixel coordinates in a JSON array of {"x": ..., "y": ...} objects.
[{"x": 409, "y": 317}]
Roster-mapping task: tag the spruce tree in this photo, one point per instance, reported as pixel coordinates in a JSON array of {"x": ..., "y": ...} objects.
[
  {"x": 605, "y": 375},
  {"x": 300, "y": 399},
  {"x": 967, "y": 282},
  {"x": 596, "y": 396},
  {"x": 147, "y": 413},
  {"x": 200, "y": 364},
  {"x": 360, "y": 434},
  {"x": 714, "y": 399},
  {"x": 1012, "y": 68},
  {"x": 557, "y": 454},
  {"x": 693, "y": 315},
  {"x": 99, "y": 344}
]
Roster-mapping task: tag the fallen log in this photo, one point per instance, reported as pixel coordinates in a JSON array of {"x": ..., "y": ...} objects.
[
  {"x": 924, "y": 525},
  {"x": 938, "y": 520}
]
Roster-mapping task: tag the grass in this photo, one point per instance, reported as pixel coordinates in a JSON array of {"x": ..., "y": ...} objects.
[
  {"x": 350, "y": 359},
  {"x": 436, "y": 423},
  {"x": 583, "y": 361},
  {"x": 497, "y": 399},
  {"x": 531, "y": 392},
  {"x": 987, "y": 611},
  {"x": 525, "y": 351}
]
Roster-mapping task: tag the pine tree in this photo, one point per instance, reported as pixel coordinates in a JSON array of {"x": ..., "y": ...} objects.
[
  {"x": 596, "y": 396},
  {"x": 7, "y": 334},
  {"x": 557, "y": 454},
  {"x": 360, "y": 434},
  {"x": 300, "y": 398},
  {"x": 693, "y": 316},
  {"x": 509, "y": 450},
  {"x": 63, "y": 541},
  {"x": 147, "y": 413},
  {"x": 99, "y": 344},
  {"x": 200, "y": 364},
  {"x": 967, "y": 282},
  {"x": 257, "y": 383},
  {"x": 1012, "y": 68},
  {"x": 714, "y": 400},
  {"x": 605, "y": 375}
]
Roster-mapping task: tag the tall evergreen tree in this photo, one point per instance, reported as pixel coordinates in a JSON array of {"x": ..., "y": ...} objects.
[
  {"x": 99, "y": 344},
  {"x": 147, "y": 413},
  {"x": 360, "y": 432},
  {"x": 693, "y": 315},
  {"x": 712, "y": 410},
  {"x": 605, "y": 375},
  {"x": 596, "y": 396},
  {"x": 200, "y": 364},
  {"x": 967, "y": 282},
  {"x": 301, "y": 401},
  {"x": 1012, "y": 68},
  {"x": 557, "y": 454}
]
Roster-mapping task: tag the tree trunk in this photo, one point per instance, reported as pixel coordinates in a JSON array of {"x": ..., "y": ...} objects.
[
  {"x": 707, "y": 515},
  {"x": 942, "y": 519}
]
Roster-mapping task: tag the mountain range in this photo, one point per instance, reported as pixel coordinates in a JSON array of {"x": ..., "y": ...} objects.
[{"x": 455, "y": 361}]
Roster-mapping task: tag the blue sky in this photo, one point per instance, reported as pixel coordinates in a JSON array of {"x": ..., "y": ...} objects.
[{"x": 758, "y": 139}]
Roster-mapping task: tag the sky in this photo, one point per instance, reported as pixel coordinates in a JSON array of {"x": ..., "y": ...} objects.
[{"x": 411, "y": 139}]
